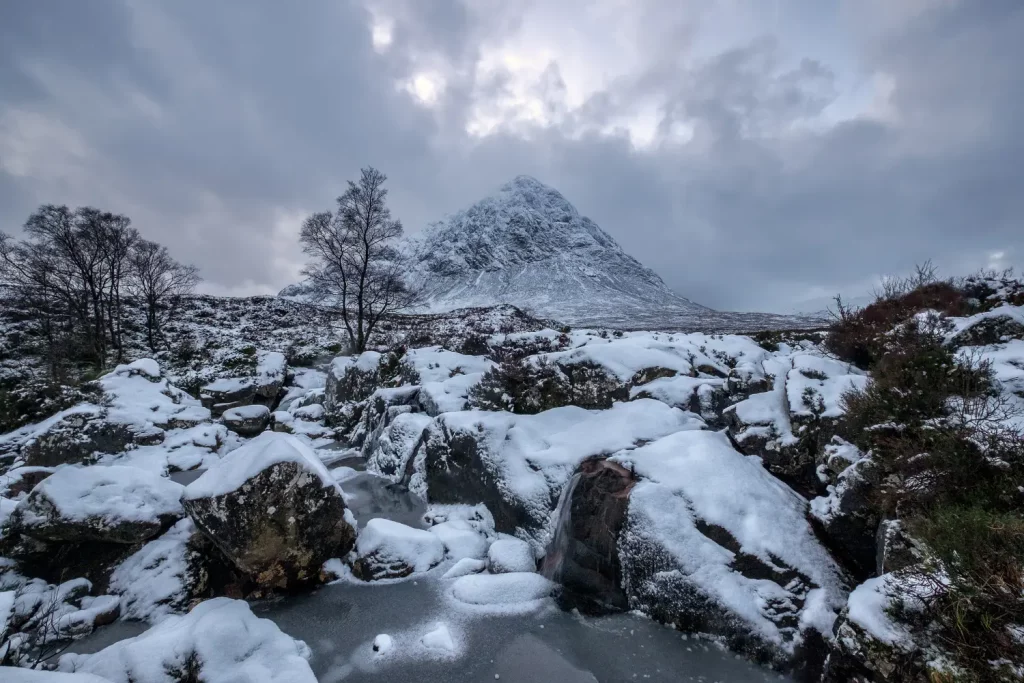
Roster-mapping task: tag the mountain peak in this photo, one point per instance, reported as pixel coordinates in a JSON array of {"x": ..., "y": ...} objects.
[{"x": 527, "y": 245}]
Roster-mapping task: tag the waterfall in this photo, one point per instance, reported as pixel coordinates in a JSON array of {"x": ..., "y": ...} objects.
[{"x": 558, "y": 546}]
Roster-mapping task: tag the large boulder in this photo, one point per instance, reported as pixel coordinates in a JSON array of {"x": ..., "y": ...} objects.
[
  {"x": 219, "y": 640},
  {"x": 107, "y": 504},
  {"x": 382, "y": 407},
  {"x": 390, "y": 550},
  {"x": 517, "y": 465},
  {"x": 712, "y": 543},
  {"x": 247, "y": 420},
  {"x": 274, "y": 510}
]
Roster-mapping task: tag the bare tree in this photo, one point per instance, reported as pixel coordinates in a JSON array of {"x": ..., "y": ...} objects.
[
  {"x": 159, "y": 282},
  {"x": 354, "y": 263}
]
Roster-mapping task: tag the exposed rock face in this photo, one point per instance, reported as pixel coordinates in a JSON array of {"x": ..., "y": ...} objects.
[
  {"x": 273, "y": 510},
  {"x": 19, "y": 481},
  {"x": 584, "y": 555},
  {"x": 247, "y": 420},
  {"x": 106, "y": 504}
]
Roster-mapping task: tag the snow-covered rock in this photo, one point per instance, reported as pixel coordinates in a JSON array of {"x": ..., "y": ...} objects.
[
  {"x": 111, "y": 504},
  {"x": 508, "y": 555},
  {"x": 157, "y": 580},
  {"x": 790, "y": 424},
  {"x": 138, "y": 405},
  {"x": 227, "y": 392},
  {"x": 391, "y": 451},
  {"x": 351, "y": 378},
  {"x": 390, "y": 550},
  {"x": 517, "y": 464},
  {"x": 219, "y": 640},
  {"x": 465, "y": 567},
  {"x": 247, "y": 420},
  {"x": 273, "y": 509},
  {"x": 271, "y": 372},
  {"x": 1000, "y": 324},
  {"x": 461, "y": 539},
  {"x": 714, "y": 544},
  {"x": 501, "y": 590}
]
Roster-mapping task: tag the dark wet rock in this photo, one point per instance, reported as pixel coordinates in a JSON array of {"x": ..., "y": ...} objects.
[
  {"x": 278, "y": 525},
  {"x": 847, "y": 519},
  {"x": 247, "y": 421},
  {"x": 583, "y": 556}
]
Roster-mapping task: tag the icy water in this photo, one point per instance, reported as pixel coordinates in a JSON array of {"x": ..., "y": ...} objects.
[{"x": 340, "y": 621}]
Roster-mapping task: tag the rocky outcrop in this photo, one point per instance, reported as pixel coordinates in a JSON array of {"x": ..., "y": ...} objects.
[
  {"x": 273, "y": 510},
  {"x": 517, "y": 465},
  {"x": 79, "y": 435},
  {"x": 247, "y": 421}
]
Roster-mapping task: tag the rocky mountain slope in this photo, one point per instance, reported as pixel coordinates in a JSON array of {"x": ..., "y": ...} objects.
[{"x": 527, "y": 246}]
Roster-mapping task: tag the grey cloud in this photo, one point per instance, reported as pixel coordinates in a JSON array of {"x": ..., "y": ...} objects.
[{"x": 217, "y": 125}]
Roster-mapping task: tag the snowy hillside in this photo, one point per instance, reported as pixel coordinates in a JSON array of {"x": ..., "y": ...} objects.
[{"x": 527, "y": 246}]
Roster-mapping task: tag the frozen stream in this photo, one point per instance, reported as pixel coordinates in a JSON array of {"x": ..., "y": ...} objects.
[{"x": 536, "y": 643}]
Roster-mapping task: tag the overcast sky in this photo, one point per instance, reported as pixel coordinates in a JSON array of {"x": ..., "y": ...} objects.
[{"x": 755, "y": 153}]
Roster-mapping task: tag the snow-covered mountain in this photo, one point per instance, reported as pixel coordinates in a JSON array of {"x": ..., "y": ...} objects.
[{"x": 528, "y": 246}]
